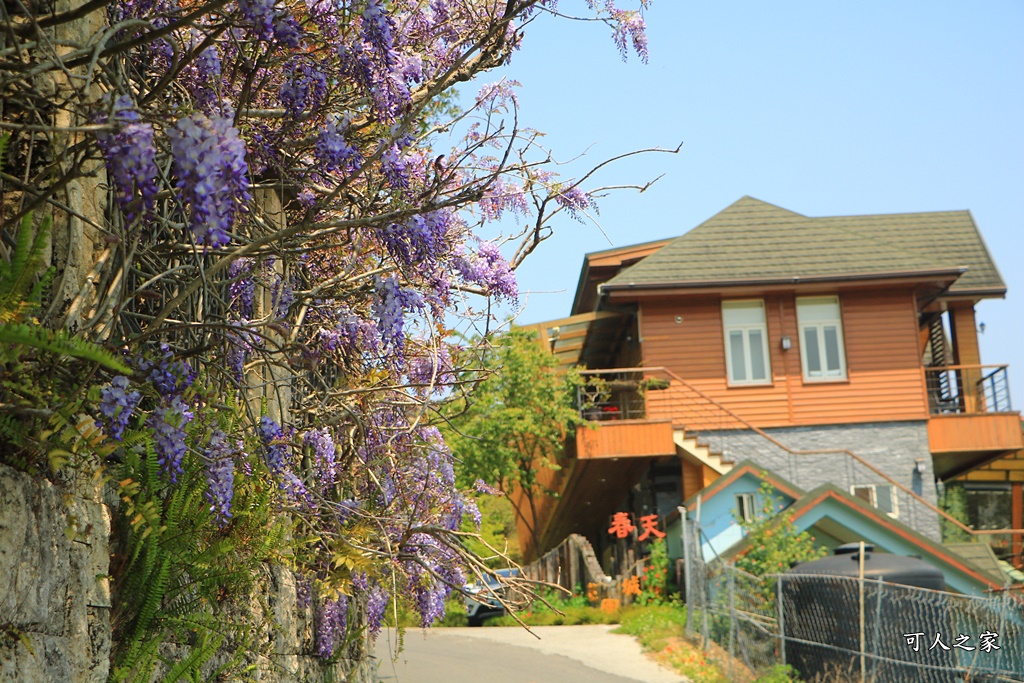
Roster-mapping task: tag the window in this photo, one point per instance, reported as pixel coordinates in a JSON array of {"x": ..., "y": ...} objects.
[
  {"x": 881, "y": 496},
  {"x": 745, "y": 507},
  {"x": 989, "y": 505},
  {"x": 746, "y": 342},
  {"x": 821, "y": 338}
]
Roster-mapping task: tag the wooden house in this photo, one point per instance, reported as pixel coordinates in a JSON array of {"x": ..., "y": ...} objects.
[{"x": 836, "y": 350}]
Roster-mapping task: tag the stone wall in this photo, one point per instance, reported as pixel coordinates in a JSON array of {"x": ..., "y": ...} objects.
[
  {"x": 895, "y": 448},
  {"x": 54, "y": 558},
  {"x": 54, "y": 589}
]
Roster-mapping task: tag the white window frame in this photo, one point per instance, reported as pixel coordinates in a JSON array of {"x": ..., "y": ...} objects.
[
  {"x": 874, "y": 497},
  {"x": 745, "y": 507},
  {"x": 745, "y": 329},
  {"x": 819, "y": 326}
]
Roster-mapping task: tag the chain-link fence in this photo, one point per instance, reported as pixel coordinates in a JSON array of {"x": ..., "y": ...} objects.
[{"x": 836, "y": 628}]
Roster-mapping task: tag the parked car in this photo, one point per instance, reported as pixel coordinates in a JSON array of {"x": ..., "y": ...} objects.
[{"x": 484, "y": 604}]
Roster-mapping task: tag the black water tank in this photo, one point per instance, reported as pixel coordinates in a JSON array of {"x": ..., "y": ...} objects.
[
  {"x": 827, "y": 611},
  {"x": 909, "y": 571}
]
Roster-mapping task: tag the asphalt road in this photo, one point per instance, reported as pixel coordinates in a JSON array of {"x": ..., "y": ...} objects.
[{"x": 561, "y": 654}]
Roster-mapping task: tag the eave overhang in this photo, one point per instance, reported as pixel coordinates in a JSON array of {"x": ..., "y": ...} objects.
[{"x": 662, "y": 288}]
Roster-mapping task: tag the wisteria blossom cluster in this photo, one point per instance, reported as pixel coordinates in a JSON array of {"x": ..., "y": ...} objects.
[
  {"x": 213, "y": 177},
  {"x": 131, "y": 158},
  {"x": 304, "y": 213}
]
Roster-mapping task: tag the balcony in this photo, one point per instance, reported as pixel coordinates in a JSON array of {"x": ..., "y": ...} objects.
[
  {"x": 616, "y": 399},
  {"x": 972, "y": 420}
]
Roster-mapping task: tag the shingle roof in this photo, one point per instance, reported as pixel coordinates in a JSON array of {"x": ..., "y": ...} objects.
[{"x": 753, "y": 241}]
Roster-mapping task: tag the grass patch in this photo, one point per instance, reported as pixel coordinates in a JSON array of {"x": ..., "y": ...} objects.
[{"x": 660, "y": 631}]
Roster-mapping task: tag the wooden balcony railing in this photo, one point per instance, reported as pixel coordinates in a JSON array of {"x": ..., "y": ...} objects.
[{"x": 967, "y": 389}]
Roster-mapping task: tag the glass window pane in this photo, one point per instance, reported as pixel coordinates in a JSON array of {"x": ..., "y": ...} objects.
[
  {"x": 812, "y": 352},
  {"x": 758, "y": 366},
  {"x": 739, "y": 365},
  {"x": 883, "y": 495},
  {"x": 864, "y": 493},
  {"x": 832, "y": 350}
]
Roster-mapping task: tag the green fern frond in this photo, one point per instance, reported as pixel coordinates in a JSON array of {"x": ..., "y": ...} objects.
[
  {"x": 60, "y": 342},
  {"x": 16, "y": 277},
  {"x": 200, "y": 654}
]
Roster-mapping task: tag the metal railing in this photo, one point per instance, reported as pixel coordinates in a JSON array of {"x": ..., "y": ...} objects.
[
  {"x": 612, "y": 395},
  {"x": 968, "y": 389}
]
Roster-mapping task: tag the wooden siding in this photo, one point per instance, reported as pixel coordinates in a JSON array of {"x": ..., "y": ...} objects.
[
  {"x": 884, "y": 377},
  {"x": 974, "y": 433},
  {"x": 693, "y": 478},
  {"x": 1009, "y": 468},
  {"x": 625, "y": 439}
]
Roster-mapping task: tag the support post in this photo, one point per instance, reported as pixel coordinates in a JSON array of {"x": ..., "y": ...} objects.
[
  {"x": 732, "y": 618},
  {"x": 860, "y": 563},
  {"x": 780, "y": 611},
  {"x": 686, "y": 570}
]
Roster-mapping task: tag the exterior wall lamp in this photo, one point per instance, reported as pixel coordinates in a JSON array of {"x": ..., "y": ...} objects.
[{"x": 787, "y": 343}]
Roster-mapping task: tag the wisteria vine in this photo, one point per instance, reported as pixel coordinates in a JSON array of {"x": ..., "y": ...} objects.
[{"x": 290, "y": 228}]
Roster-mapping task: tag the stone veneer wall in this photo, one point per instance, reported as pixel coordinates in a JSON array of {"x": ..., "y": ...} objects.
[
  {"x": 54, "y": 562},
  {"x": 895, "y": 448}
]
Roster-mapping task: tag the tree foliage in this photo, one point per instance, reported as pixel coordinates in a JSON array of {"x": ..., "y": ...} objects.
[
  {"x": 513, "y": 425},
  {"x": 518, "y": 413},
  {"x": 773, "y": 541},
  {"x": 954, "y": 502}
]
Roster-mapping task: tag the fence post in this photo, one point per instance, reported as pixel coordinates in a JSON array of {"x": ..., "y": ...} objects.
[
  {"x": 732, "y": 618},
  {"x": 686, "y": 571},
  {"x": 781, "y": 612},
  {"x": 878, "y": 621},
  {"x": 705, "y": 599},
  {"x": 863, "y": 671}
]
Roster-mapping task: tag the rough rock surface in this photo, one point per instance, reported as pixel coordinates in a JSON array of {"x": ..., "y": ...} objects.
[
  {"x": 54, "y": 562},
  {"x": 54, "y": 559}
]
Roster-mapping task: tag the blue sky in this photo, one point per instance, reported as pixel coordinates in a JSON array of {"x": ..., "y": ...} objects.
[{"x": 824, "y": 108}]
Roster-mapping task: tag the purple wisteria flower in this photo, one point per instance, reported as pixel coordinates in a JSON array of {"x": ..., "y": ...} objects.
[
  {"x": 331, "y": 625},
  {"x": 489, "y": 269},
  {"x": 350, "y": 333},
  {"x": 209, "y": 162},
  {"x": 322, "y": 443},
  {"x": 270, "y": 23},
  {"x": 242, "y": 288},
  {"x": 378, "y": 31},
  {"x": 631, "y": 25},
  {"x": 575, "y": 201},
  {"x": 168, "y": 423},
  {"x": 304, "y": 88},
  {"x": 482, "y": 486},
  {"x": 130, "y": 157},
  {"x": 277, "y": 454},
  {"x": 220, "y": 475},
  {"x": 432, "y": 369},
  {"x": 118, "y": 404},
  {"x": 420, "y": 239},
  {"x": 389, "y": 306},
  {"x": 376, "y": 604},
  {"x": 168, "y": 376},
  {"x": 332, "y": 151}
]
